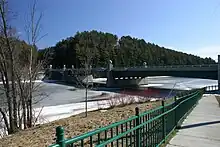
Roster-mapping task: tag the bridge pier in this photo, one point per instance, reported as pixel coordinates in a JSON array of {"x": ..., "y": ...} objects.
[
  {"x": 123, "y": 81},
  {"x": 219, "y": 72},
  {"x": 110, "y": 80}
]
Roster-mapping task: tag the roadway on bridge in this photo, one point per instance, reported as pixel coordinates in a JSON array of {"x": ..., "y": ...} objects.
[{"x": 201, "y": 128}]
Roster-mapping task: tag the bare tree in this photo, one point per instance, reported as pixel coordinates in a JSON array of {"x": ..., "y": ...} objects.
[
  {"x": 7, "y": 68},
  {"x": 19, "y": 69},
  {"x": 87, "y": 53},
  {"x": 33, "y": 29}
]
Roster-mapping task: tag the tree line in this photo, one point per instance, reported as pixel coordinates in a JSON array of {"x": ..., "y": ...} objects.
[{"x": 97, "y": 48}]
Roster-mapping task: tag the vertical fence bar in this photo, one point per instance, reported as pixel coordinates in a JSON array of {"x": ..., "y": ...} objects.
[
  {"x": 148, "y": 130},
  {"x": 117, "y": 135},
  {"x": 141, "y": 131},
  {"x": 126, "y": 129},
  {"x": 164, "y": 121},
  {"x": 137, "y": 130},
  {"x": 134, "y": 132},
  {"x": 99, "y": 139},
  {"x": 145, "y": 131},
  {"x": 122, "y": 139},
  {"x": 60, "y": 136},
  {"x": 82, "y": 143},
  {"x": 130, "y": 123},
  {"x": 106, "y": 135},
  {"x": 111, "y": 136},
  {"x": 91, "y": 142},
  {"x": 155, "y": 134}
]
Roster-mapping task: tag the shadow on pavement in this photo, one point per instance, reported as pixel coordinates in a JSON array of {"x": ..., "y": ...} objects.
[{"x": 199, "y": 125}]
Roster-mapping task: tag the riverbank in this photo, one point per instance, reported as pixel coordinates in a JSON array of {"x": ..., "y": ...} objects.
[{"x": 43, "y": 135}]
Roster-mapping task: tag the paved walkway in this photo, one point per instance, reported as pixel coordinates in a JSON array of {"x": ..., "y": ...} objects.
[{"x": 202, "y": 127}]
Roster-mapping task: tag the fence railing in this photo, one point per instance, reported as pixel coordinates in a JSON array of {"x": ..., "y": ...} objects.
[{"x": 150, "y": 128}]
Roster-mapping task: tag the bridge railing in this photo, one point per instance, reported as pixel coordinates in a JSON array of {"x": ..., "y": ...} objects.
[
  {"x": 124, "y": 68},
  {"x": 150, "y": 128},
  {"x": 212, "y": 89},
  {"x": 168, "y": 66}
]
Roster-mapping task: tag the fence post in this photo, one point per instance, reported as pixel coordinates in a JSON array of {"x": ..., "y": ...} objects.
[
  {"x": 164, "y": 121},
  {"x": 138, "y": 139},
  {"x": 175, "y": 111},
  {"x": 60, "y": 136}
]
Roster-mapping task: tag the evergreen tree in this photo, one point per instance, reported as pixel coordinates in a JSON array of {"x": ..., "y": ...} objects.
[{"x": 99, "y": 47}]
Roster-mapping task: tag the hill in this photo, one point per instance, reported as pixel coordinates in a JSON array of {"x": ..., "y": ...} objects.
[{"x": 96, "y": 48}]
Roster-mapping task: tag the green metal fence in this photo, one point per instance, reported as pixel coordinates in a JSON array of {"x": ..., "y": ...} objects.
[{"x": 150, "y": 128}]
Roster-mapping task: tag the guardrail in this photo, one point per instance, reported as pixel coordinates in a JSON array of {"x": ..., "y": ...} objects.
[{"x": 150, "y": 128}]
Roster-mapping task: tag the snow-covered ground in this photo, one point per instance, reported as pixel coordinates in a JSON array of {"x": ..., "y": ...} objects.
[
  {"x": 51, "y": 113},
  {"x": 36, "y": 81}
]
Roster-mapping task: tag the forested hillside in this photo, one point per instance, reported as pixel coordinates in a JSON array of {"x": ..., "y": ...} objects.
[{"x": 96, "y": 48}]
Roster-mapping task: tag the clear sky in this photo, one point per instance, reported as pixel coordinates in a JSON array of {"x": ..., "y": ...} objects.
[{"x": 191, "y": 26}]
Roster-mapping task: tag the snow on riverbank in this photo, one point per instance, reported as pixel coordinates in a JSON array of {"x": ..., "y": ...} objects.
[
  {"x": 51, "y": 113},
  {"x": 27, "y": 81}
]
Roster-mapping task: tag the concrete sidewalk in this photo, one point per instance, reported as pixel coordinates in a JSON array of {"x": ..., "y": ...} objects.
[{"x": 202, "y": 127}]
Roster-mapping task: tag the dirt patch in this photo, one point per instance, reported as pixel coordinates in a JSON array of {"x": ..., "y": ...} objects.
[{"x": 44, "y": 135}]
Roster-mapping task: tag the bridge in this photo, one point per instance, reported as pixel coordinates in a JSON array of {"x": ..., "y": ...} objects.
[{"x": 133, "y": 76}]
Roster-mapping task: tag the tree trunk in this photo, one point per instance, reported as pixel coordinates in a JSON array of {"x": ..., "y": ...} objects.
[
  {"x": 5, "y": 119},
  {"x": 19, "y": 115},
  {"x": 11, "y": 62},
  {"x": 30, "y": 105},
  {"x": 24, "y": 113},
  {"x": 9, "y": 102},
  {"x": 28, "y": 112},
  {"x": 15, "y": 107}
]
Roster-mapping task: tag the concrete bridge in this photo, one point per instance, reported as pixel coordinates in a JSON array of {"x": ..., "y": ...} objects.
[{"x": 133, "y": 76}]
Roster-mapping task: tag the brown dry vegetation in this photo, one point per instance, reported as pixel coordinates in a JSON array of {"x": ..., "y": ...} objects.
[{"x": 44, "y": 135}]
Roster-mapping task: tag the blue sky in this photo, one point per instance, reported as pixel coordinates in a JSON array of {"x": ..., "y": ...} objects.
[{"x": 191, "y": 26}]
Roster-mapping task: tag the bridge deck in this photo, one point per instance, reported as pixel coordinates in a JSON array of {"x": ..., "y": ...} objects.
[{"x": 201, "y": 128}]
